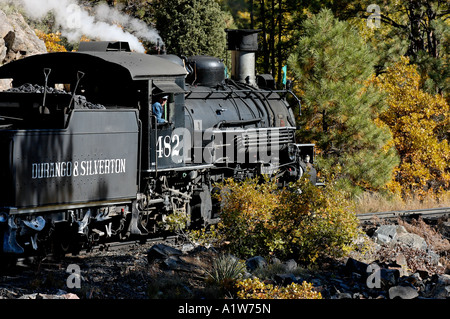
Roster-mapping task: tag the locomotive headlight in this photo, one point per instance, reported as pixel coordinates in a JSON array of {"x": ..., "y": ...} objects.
[{"x": 307, "y": 158}]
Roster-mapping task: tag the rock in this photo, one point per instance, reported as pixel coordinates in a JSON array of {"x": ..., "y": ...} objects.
[
  {"x": 401, "y": 261},
  {"x": 412, "y": 240},
  {"x": 285, "y": 279},
  {"x": 392, "y": 234},
  {"x": 275, "y": 261},
  {"x": 290, "y": 265},
  {"x": 385, "y": 234},
  {"x": 423, "y": 273},
  {"x": 433, "y": 257},
  {"x": 161, "y": 251},
  {"x": 187, "y": 248},
  {"x": 7, "y": 294},
  {"x": 344, "y": 295},
  {"x": 442, "y": 288},
  {"x": 358, "y": 295},
  {"x": 69, "y": 296},
  {"x": 175, "y": 263},
  {"x": 17, "y": 40},
  {"x": 3, "y": 50},
  {"x": 444, "y": 228},
  {"x": 256, "y": 262},
  {"x": 355, "y": 266},
  {"x": 403, "y": 292},
  {"x": 444, "y": 279},
  {"x": 389, "y": 277},
  {"x": 413, "y": 279},
  {"x": 48, "y": 296}
]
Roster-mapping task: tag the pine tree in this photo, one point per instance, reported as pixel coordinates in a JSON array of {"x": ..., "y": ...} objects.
[
  {"x": 191, "y": 27},
  {"x": 420, "y": 27},
  {"x": 333, "y": 66}
]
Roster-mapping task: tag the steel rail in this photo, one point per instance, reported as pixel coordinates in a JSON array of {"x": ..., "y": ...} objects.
[
  {"x": 118, "y": 245},
  {"x": 427, "y": 212},
  {"x": 101, "y": 248}
]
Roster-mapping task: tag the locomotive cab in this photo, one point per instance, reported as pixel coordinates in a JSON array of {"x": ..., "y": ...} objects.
[{"x": 165, "y": 155}]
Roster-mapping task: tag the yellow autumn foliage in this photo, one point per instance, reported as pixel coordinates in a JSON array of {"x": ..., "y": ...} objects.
[
  {"x": 415, "y": 118},
  {"x": 51, "y": 41},
  {"x": 256, "y": 289},
  {"x": 302, "y": 221}
]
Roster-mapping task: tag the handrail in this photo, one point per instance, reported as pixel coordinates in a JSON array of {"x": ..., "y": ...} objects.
[{"x": 226, "y": 94}]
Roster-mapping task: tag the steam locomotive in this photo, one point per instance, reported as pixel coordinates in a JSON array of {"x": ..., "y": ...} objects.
[{"x": 84, "y": 158}]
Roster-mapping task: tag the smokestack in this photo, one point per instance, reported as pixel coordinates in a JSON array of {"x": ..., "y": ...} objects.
[{"x": 243, "y": 44}]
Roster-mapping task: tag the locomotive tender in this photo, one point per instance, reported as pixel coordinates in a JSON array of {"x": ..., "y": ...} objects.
[{"x": 83, "y": 159}]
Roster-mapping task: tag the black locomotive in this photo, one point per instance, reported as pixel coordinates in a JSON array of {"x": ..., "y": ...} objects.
[{"x": 84, "y": 159}]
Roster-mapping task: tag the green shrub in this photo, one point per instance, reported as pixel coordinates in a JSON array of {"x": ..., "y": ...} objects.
[
  {"x": 225, "y": 271},
  {"x": 302, "y": 221},
  {"x": 246, "y": 216},
  {"x": 317, "y": 223}
]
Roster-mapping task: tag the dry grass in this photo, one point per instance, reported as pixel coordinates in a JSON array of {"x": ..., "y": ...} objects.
[
  {"x": 432, "y": 237},
  {"x": 374, "y": 202}
]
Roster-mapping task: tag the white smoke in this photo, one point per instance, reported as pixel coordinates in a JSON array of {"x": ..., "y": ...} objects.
[{"x": 100, "y": 23}]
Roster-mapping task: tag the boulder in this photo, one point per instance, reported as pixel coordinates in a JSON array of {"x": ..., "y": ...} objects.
[
  {"x": 386, "y": 233},
  {"x": 290, "y": 265},
  {"x": 403, "y": 292},
  {"x": 161, "y": 251},
  {"x": 392, "y": 234},
  {"x": 17, "y": 40},
  {"x": 176, "y": 263},
  {"x": 441, "y": 290},
  {"x": 285, "y": 279},
  {"x": 389, "y": 277},
  {"x": 256, "y": 262},
  {"x": 343, "y": 295},
  {"x": 412, "y": 241},
  {"x": 356, "y": 266}
]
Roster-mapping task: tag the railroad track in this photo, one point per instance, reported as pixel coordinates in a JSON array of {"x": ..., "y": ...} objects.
[
  {"x": 104, "y": 247},
  {"x": 366, "y": 217},
  {"x": 426, "y": 213},
  {"x": 111, "y": 246}
]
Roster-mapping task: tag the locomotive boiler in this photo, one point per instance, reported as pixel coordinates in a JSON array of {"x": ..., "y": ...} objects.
[{"x": 84, "y": 158}]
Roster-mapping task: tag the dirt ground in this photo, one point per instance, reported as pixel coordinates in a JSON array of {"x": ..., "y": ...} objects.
[{"x": 123, "y": 273}]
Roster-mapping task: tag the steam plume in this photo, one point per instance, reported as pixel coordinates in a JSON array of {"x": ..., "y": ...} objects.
[{"x": 102, "y": 23}]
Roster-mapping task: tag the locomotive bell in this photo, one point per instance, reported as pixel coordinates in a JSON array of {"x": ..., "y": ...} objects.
[{"x": 243, "y": 44}]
